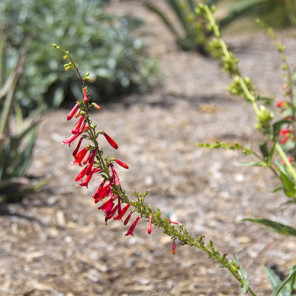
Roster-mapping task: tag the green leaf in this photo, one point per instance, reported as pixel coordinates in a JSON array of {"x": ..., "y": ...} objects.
[
  {"x": 289, "y": 185},
  {"x": 283, "y": 286},
  {"x": 264, "y": 150},
  {"x": 243, "y": 275},
  {"x": 164, "y": 18},
  {"x": 273, "y": 278},
  {"x": 255, "y": 163},
  {"x": 276, "y": 226}
]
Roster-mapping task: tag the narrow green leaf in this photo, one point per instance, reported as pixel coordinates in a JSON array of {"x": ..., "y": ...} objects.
[
  {"x": 276, "y": 226},
  {"x": 273, "y": 278},
  {"x": 289, "y": 185},
  {"x": 243, "y": 275},
  {"x": 163, "y": 17},
  {"x": 285, "y": 283},
  {"x": 264, "y": 150},
  {"x": 254, "y": 163}
]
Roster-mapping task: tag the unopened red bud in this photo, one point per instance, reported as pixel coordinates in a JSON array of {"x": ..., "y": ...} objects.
[
  {"x": 173, "y": 251},
  {"x": 124, "y": 165},
  {"x": 149, "y": 224},
  {"x": 110, "y": 141},
  {"x": 85, "y": 99},
  {"x": 73, "y": 111},
  {"x": 98, "y": 107}
]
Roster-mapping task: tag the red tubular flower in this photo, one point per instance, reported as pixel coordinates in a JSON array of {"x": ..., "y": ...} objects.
[
  {"x": 81, "y": 175},
  {"x": 73, "y": 111},
  {"x": 104, "y": 193},
  {"x": 123, "y": 211},
  {"x": 124, "y": 165},
  {"x": 132, "y": 228},
  {"x": 77, "y": 147},
  {"x": 149, "y": 224},
  {"x": 114, "y": 175},
  {"x": 98, "y": 192},
  {"x": 85, "y": 99},
  {"x": 80, "y": 155},
  {"x": 70, "y": 139},
  {"x": 111, "y": 213},
  {"x": 77, "y": 126},
  {"x": 89, "y": 168},
  {"x": 110, "y": 141},
  {"x": 127, "y": 218},
  {"x": 173, "y": 251},
  {"x": 92, "y": 156},
  {"x": 86, "y": 180},
  {"x": 107, "y": 206},
  {"x": 86, "y": 158},
  {"x": 174, "y": 222},
  {"x": 82, "y": 128}
]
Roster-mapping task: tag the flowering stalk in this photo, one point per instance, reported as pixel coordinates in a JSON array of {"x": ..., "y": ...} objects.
[
  {"x": 243, "y": 86},
  {"x": 111, "y": 196}
]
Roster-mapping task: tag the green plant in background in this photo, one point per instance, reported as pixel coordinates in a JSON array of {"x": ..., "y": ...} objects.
[
  {"x": 17, "y": 137},
  {"x": 277, "y": 13},
  {"x": 194, "y": 34},
  {"x": 119, "y": 57},
  {"x": 273, "y": 154}
]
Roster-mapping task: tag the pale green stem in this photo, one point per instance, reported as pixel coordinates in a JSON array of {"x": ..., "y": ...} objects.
[{"x": 285, "y": 159}]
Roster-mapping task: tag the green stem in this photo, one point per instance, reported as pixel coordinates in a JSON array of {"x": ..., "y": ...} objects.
[{"x": 285, "y": 159}]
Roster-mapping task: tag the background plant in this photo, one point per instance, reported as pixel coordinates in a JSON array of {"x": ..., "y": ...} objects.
[
  {"x": 275, "y": 13},
  {"x": 271, "y": 153},
  {"x": 17, "y": 137},
  {"x": 119, "y": 57},
  {"x": 191, "y": 33}
]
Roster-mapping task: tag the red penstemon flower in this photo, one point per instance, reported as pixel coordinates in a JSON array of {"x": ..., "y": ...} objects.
[
  {"x": 123, "y": 211},
  {"x": 133, "y": 226},
  {"x": 173, "y": 251},
  {"x": 149, "y": 224},
  {"x": 70, "y": 139}
]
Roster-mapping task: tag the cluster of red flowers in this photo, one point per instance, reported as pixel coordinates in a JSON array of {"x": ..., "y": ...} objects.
[{"x": 87, "y": 158}]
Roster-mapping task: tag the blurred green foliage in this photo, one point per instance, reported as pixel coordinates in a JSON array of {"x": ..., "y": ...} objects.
[
  {"x": 274, "y": 13},
  {"x": 190, "y": 33},
  {"x": 108, "y": 44},
  {"x": 17, "y": 136}
]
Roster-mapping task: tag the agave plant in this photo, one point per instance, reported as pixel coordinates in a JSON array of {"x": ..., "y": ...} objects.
[{"x": 17, "y": 139}]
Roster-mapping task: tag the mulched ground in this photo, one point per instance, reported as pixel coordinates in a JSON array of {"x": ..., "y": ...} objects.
[{"x": 56, "y": 242}]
